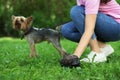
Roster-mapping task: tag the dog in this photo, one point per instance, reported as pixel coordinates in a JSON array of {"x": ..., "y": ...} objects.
[{"x": 37, "y": 35}]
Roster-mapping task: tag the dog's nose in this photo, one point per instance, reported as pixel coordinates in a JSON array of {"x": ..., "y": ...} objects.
[{"x": 17, "y": 22}]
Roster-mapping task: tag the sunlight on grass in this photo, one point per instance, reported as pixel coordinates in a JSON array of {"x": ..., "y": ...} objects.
[{"x": 9, "y": 39}]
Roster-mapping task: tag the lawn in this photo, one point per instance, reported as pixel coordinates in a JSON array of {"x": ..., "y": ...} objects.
[{"x": 15, "y": 63}]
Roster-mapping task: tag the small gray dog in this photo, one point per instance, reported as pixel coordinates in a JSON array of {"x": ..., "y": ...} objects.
[{"x": 36, "y": 35}]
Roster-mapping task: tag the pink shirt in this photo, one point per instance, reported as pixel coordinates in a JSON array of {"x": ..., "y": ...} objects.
[{"x": 112, "y": 8}]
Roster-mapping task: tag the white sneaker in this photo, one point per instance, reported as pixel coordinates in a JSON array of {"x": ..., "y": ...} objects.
[
  {"x": 100, "y": 57},
  {"x": 89, "y": 57},
  {"x": 107, "y": 50},
  {"x": 95, "y": 57}
]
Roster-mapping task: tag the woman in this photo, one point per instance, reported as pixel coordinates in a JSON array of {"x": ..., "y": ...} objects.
[{"x": 94, "y": 22}]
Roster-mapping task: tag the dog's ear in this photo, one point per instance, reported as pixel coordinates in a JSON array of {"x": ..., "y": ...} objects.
[
  {"x": 29, "y": 20},
  {"x": 13, "y": 17}
]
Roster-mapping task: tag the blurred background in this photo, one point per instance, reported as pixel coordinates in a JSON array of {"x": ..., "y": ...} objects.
[{"x": 46, "y": 13}]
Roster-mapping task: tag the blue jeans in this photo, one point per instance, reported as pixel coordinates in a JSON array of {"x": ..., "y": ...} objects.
[{"x": 106, "y": 28}]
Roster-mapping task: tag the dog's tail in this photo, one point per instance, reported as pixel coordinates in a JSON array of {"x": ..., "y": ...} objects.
[{"x": 58, "y": 28}]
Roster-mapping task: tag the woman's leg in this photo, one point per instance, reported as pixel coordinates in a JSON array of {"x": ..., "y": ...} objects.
[
  {"x": 70, "y": 32},
  {"x": 101, "y": 44},
  {"x": 107, "y": 29}
]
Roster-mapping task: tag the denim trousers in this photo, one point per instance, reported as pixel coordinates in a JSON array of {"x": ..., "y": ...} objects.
[{"x": 106, "y": 28}]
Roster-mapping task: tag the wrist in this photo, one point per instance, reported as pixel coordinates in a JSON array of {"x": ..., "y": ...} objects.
[{"x": 77, "y": 55}]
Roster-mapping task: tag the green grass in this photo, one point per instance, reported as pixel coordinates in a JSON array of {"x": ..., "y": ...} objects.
[{"x": 15, "y": 63}]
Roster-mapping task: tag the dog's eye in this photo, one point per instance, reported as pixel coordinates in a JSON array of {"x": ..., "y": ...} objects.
[{"x": 22, "y": 20}]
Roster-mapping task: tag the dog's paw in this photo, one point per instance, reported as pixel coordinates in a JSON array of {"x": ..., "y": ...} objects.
[{"x": 70, "y": 61}]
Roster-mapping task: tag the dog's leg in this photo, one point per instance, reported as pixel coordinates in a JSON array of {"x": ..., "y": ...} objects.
[
  {"x": 56, "y": 44},
  {"x": 33, "y": 50}
]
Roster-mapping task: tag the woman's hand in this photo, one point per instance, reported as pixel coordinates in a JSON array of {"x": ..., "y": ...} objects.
[{"x": 70, "y": 61}]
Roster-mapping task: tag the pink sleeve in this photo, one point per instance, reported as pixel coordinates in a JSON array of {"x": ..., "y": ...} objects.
[{"x": 92, "y": 6}]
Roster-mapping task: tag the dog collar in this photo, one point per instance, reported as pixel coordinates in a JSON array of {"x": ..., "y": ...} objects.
[{"x": 26, "y": 32}]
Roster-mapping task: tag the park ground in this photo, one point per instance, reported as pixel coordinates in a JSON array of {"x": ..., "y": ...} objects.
[{"x": 15, "y": 63}]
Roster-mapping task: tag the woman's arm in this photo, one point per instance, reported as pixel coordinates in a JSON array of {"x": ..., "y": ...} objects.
[{"x": 90, "y": 20}]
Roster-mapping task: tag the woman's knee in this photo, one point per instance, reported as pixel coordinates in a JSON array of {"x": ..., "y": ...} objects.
[
  {"x": 76, "y": 10},
  {"x": 67, "y": 28},
  {"x": 63, "y": 30},
  {"x": 69, "y": 33}
]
